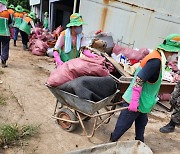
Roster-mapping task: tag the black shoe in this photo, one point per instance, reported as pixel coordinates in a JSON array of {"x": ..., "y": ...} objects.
[
  {"x": 167, "y": 129},
  {"x": 140, "y": 139},
  {"x": 3, "y": 64}
]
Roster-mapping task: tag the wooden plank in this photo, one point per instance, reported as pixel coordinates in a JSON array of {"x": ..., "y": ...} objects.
[{"x": 118, "y": 67}]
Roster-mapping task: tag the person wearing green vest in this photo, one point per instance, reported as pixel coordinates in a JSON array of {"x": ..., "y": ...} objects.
[
  {"x": 5, "y": 21},
  {"x": 11, "y": 10},
  {"x": 141, "y": 95},
  {"x": 70, "y": 40},
  {"x": 18, "y": 18},
  {"x": 25, "y": 28},
  {"x": 46, "y": 20}
]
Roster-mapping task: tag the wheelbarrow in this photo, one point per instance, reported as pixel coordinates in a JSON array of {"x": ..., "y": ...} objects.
[{"x": 74, "y": 110}]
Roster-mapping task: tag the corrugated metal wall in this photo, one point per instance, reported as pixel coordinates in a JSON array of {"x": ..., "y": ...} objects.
[{"x": 145, "y": 22}]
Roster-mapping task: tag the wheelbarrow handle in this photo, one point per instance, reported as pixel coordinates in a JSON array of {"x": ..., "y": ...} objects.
[{"x": 112, "y": 111}]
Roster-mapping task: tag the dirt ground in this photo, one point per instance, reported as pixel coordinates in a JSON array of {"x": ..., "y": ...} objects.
[{"x": 30, "y": 102}]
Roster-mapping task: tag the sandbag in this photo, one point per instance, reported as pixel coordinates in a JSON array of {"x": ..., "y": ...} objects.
[
  {"x": 39, "y": 48},
  {"x": 78, "y": 67},
  {"x": 131, "y": 53},
  {"x": 164, "y": 97}
]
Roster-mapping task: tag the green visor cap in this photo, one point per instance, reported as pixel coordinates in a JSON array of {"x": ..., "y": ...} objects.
[
  {"x": 171, "y": 43},
  {"x": 32, "y": 15},
  {"x": 11, "y": 6},
  {"x": 75, "y": 20},
  {"x": 19, "y": 8}
]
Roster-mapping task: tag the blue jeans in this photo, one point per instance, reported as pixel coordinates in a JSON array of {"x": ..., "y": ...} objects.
[
  {"x": 16, "y": 31},
  {"x": 4, "y": 45},
  {"x": 125, "y": 121}
]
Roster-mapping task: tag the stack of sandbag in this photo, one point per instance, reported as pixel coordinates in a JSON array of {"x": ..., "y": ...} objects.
[{"x": 38, "y": 41}]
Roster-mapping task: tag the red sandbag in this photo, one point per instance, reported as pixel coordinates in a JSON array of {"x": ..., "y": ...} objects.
[
  {"x": 134, "y": 54},
  {"x": 39, "y": 48},
  {"x": 78, "y": 67},
  {"x": 164, "y": 97},
  {"x": 118, "y": 49},
  {"x": 131, "y": 53}
]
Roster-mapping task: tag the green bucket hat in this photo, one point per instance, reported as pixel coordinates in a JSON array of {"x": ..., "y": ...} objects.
[
  {"x": 11, "y": 6},
  {"x": 171, "y": 43},
  {"x": 46, "y": 13},
  {"x": 75, "y": 20},
  {"x": 3, "y": 2},
  {"x": 32, "y": 15},
  {"x": 19, "y": 8}
]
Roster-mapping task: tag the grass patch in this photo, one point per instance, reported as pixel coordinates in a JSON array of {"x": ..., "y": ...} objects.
[
  {"x": 2, "y": 100},
  {"x": 14, "y": 135}
]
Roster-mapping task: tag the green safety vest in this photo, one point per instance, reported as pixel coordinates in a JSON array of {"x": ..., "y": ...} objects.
[
  {"x": 18, "y": 18},
  {"x": 25, "y": 27},
  {"x": 74, "y": 53},
  {"x": 4, "y": 26},
  {"x": 149, "y": 93},
  {"x": 17, "y": 22}
]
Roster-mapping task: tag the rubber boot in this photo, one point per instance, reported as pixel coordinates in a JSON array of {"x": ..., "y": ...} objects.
[
  {"x": 3, "y": 62},
  {"x": 170, "y": 127},
  {"x": 15, "y": 43}
]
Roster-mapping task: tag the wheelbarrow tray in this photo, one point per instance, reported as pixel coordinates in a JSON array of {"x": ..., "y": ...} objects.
[
  {"x": 121, "y": 147},
  {"x": 82, "y": 105}
]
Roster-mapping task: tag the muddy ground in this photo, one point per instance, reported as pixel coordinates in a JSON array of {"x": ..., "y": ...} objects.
[{"x": 30, "y": 102}]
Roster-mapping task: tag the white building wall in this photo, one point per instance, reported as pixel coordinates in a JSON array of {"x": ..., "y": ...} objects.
[{"x": 145, "y": 22}]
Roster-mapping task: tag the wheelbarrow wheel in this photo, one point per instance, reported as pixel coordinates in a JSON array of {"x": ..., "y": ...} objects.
[{"x": 67, "y": 114}]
